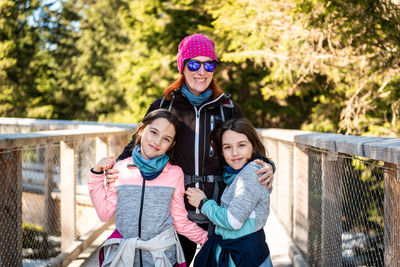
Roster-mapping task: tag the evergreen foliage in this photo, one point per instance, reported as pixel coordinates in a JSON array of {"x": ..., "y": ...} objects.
[
  {"x": 323, "y": 65},
  {"x": 19, "y": 57}
]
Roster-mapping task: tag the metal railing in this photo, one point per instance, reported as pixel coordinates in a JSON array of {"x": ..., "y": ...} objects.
[
  {"x": 338, "y": 197},
  {"x": 46, "y": 216}
]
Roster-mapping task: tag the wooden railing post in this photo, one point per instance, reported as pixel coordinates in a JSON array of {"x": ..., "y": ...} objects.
[
  {"x": 116, "y": 144},
  {"x": 392, "y": 215},
  {"x": 284, "y": 190},
  {"x": 300, "y": 213},
  {"x": 11, "y": 208},
  {"x": 331, "y": 234},
  {"x": 101, "y": 148},
  {"x": 49, "y": 224},
  {"x": 68, "y": 194},
  {"x": 271, "y": 146}
]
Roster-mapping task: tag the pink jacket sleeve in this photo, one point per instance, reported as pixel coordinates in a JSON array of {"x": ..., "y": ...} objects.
[
  {"x": 104, "y": 198},
  {"x": 182, "y": 224}
]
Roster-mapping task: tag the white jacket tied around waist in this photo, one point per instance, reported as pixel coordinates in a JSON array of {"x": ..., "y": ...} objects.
[{"x": 123, "y": 256}]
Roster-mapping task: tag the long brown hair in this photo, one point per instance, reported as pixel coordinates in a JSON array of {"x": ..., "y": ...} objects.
[
  {"x": 243, "y": 126},
  {"x": 217, "y": 91}
]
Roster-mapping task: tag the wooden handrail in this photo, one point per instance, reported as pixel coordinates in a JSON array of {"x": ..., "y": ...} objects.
[
  {"x": 47, "y": 137},
  {"x": 377, "y": 148}
]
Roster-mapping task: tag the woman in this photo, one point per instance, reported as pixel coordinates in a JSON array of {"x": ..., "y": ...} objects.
[{"x": 200, "y": 105}]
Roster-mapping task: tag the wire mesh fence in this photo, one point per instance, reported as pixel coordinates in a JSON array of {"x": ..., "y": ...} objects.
[
  {"x": 10, "y": 203},
  {"x": 41, "y": 233},
  {"x": 337, "y": 197},
  {"x": 347, "y": 210},
  {"x": 32, "y": 213}
]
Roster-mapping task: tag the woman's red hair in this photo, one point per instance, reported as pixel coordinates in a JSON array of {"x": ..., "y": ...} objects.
[{"x": 217, "y": 91}]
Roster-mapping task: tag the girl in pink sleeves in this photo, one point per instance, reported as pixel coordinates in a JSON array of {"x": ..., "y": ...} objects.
[{"x": 146, "y": 198}]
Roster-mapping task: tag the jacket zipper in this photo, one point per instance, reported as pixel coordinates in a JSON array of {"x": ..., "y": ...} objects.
[
  {"x": 197, "y": 141},
  {"x": 212, "y": 122},
  {"x": 196, "y": 149},
  {"x": 140, "y": 219},
  {"x": 197, "y": 136}
]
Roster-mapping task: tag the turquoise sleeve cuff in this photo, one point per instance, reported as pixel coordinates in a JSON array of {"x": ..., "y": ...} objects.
[{"x": 216, "y": 214}]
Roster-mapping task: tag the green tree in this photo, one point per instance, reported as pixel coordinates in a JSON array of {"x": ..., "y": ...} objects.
[
  {"x": 120, "y": 56},
  {"x": 261, "y": 38},
  {"x": 148, "y": 64},
  {"x": 78, "y": 80},
  {"x": 19, "y": 43},
  {"x": 324, "y": 69},
  {"x": 320, "y": 65},
  {"x": 56, "y": 98},
  {"x": 360, "y": 47}
]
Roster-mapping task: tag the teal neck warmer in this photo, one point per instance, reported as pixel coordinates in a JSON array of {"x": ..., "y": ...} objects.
[
  {"x": 151, "y": 168},
  {"x": 230, "y": 173},
  {"x": 196, "y": 100}
]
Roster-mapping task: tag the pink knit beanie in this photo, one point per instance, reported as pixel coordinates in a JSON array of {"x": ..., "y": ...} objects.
[{"x": 194, "y": 46}]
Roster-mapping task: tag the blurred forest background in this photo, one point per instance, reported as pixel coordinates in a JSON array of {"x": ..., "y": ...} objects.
[{"x": 322, "y": 65}]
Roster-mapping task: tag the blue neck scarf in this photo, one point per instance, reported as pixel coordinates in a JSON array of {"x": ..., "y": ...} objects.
[
  {"x": 152, "y": 168},
  {"x": 194, "y": 99},
  {"x": 230, "y": 173}
]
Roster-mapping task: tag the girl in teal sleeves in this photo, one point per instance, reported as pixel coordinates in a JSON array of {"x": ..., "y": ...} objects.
[{"x": 239, "y": 220}]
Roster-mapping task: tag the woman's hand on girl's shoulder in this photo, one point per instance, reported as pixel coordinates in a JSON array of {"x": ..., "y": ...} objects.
[
  {"x": 111, "y": 175},
  {"x": 266, "y": 172}
]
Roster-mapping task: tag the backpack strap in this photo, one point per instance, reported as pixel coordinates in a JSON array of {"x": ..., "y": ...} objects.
[
  {"x": 221, "y": 110},
  {"x": 164, "y": 103},
  {"x": 226, "y": 108},
  {"x": 192, "y": 179}
]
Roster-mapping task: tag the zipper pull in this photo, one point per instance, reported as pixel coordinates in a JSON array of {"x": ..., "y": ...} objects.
[
  {"x": 212, "y": 125},
  {"x": 196, "y": 185}
]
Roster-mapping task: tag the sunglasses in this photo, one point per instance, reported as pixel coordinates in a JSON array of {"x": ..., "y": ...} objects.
[{"x": 194, "y": 65}]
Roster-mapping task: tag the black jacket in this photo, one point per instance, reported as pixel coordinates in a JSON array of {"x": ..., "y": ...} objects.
[{"x": 193, "y": 152}]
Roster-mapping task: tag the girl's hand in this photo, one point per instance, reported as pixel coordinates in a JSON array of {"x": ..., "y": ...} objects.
[
  {"x": 104, "y": 164},
  {"x": 194, "y": 196},
  {"x": 266, "y": 172}
]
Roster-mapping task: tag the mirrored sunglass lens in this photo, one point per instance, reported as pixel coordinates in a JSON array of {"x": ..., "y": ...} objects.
[
  {"x": 194, "y": 65},
  {"x": 210, "y": 66}
]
